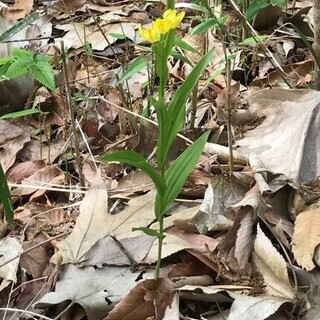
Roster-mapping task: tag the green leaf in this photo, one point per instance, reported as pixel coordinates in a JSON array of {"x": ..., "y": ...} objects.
[
  {"x": 88, "y": 48},
  {"x": 43, "y": 73},
  {"x": 205, "y": 25},
  {"x": 22, "y": 54},
  {"x": 279, "y": 2},
  {"x": 4, "y": 60},
  {"x": 6, "y": 197},
  {"x": 22, "y": 113},
  {"x": 119, "y": 36},
  {"x": 17, "y": 68},
  {"x": 4, "y": 68},
  {"x": 253, "y": 40},
  {"x": 19, "y": 26},
  {"x": 185, "y": 46},
  {"x": 150, "y": 232},
  {"x": 137, "y": 160},
  {"x": 255, "y": 6},
  {"x": 42, "y": 58},
  {"x": 135, "y": 65},
  {"x": 177, "y": 109},
  {"x": 178, "y": 172},
  {"x": 179, "y": 56}
]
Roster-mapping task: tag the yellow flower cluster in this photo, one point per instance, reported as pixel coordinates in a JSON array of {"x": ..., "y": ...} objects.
[{"x": 171, "y": 19}]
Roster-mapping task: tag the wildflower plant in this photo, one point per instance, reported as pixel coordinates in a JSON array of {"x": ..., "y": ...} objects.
[{"x": 171, "y": 118}]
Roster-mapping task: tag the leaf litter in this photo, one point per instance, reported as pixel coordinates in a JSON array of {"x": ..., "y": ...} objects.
[{"x": 244, "y": 246}]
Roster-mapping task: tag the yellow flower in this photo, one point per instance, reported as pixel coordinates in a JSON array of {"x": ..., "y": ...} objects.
[
  {"x": 162, "y": 25},
  {"x": 150, "y": 34},
  {"x": 173, "y": 18}
]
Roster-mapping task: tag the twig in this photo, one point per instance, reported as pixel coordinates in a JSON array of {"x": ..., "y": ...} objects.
[{"x": 72, "y": 116}]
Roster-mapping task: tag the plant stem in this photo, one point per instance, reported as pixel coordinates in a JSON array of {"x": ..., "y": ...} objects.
[
  {"x": 229, "y": 112},
  {"x": 194, "y": 104},
  {"x": 72, "y": 117},
  {"x": 160, "y": 242},
  {"x": 170, "y": 4}
]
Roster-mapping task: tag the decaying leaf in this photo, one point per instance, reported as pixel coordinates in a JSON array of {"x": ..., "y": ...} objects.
[
  {"x": 273, "y": 268},
  {"x": 306, "y": 237},
  {"x": 286, "y": 140},
  {"x": 92, "y": 225},
  {"x": 258, "y": 308},
  {"x": 9, "y": 248},
  {"x": 149, "y": 298},
  {"x": 97, "y": 291}
]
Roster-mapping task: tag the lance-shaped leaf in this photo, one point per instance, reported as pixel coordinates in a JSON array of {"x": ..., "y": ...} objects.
[
  {"x": 176, "y": 110},
  {"x": 136, "y": 159},
  {"x": 177, "y": 174}
]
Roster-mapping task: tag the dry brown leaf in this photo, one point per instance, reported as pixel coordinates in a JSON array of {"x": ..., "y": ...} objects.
[
  {"x": 93, "y": 224},
  {"x": 96, "y": 290},
  {"x": 306, "y": 237},
  {"x": 243, "y": 245},
  {"x": 272, "y": 266},
  {"x": 23, "y": 170},
  {"x": 257, "y": 308},
  {"x": 286, "y": 141},
  {"x": 36, "y": 260},
  {"x": 12, "y": 139},
  {"x": 76, "y": 35},
  {"x": 118, "y": 253},
  {"x": 149, "y": 298},
  {"x": 18, "y": 10},
  {"x": 72, "y": 5},
  {"x": 41, "y": 178}
]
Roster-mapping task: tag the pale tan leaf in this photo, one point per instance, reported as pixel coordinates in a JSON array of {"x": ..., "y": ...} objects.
[
  {"x": 138, "y": 213},
  {"x": 243, "y": 245},
  {"x": 272, "y": 266},
  {"x": 93, "y": 224},
  {"x": 137, "y": 247},
  {"x": 287, "y": 140},
  {"x": 77, "y": 34},
  {"x": 9, "y": 248},
  {"x": 18, "y": 10},
  {"x": 96, "y": 290},
  {"x": 257, "y": 308},
  {"x": 306, "y": 237},
  {"x": 90, "y": 242}
]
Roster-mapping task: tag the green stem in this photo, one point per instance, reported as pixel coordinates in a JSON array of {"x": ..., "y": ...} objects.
[
  {"x": 160, "y": 242},
  {"x": 194, "y": 105},
  {"x": 170, "y": 4}
]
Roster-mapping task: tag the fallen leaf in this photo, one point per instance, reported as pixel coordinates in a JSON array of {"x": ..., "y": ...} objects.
[
  {"x": 257, "y": 308},
  {"x": 288, "y": 132},
  {"x": 148, "y": 298},
  {"x": 97, "y": 291},
  {"x": 18, "y": 10},
  {"x": 9, "y": 248},
  {"x": 306, "y": 237},
  {"x": 273, "y": 268},
  {"x": 92, "y": 225}
]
